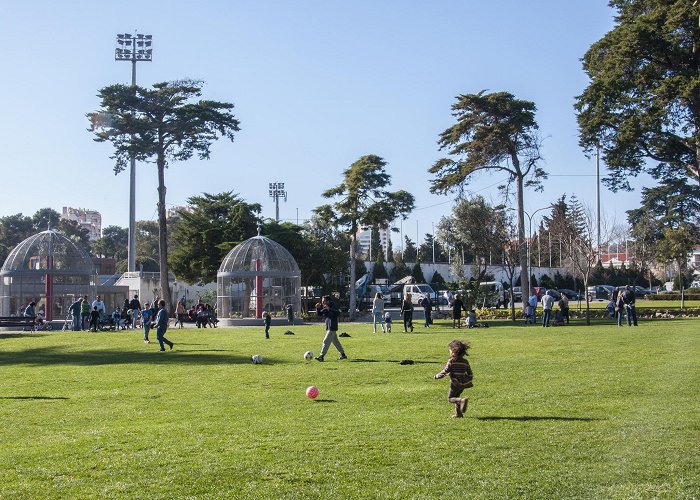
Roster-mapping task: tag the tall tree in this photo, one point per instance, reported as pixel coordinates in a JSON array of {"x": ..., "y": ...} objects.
[
  {"x": 364, "y": 201},
  {"x": 494, "y": 133},
  {"x": 113, "y": 243},
  {"x": 642, "y": 105},
  {"x": 410, "y": 252},
  {"x": 13, "y": 230},
  {"x": 160, "y": 125},
  {"x": 209, "y": 227},
  {"x": 44, "y": 217}
]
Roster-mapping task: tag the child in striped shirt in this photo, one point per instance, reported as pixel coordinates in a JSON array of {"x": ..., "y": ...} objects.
[{"x": 460, "y": 376}]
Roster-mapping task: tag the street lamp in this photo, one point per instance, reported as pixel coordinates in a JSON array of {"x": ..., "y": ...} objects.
[
  {"x": 529, "y": 240},
  {"x": 133, "y": 48},
  {"x": 276, "y": 192}
]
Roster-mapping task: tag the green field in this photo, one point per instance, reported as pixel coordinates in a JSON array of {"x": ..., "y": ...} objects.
[{"x": 569, "y": 412}]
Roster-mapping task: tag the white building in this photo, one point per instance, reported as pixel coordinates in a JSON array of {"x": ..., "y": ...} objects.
[
  {"x": 87, "y": 219},
  {"x": 364, "y": 237}
]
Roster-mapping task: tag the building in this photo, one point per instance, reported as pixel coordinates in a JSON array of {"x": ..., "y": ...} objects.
[
  {"x": 694, "y": 258},
  {"x": 87, "y": 219},
  {"x": 364, "y": 237}
]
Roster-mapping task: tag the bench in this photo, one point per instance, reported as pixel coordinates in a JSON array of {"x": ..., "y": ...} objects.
[{"x": 23, "y": 322}]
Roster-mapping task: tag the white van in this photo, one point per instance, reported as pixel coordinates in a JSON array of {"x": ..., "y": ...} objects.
[
  {"x": 491, "y": 294},
  {"x": 418, "y": 292}
]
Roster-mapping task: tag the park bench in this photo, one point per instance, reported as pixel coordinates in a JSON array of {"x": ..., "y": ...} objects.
[{"x": 21, "y": 322}]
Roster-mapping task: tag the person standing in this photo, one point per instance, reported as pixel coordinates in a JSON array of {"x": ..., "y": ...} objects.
[
  {"x": 162, "y": 319},
  {"x": 531, "y": 308},
  {"x": 84, "y": 313},
  {"x": 457, "y": 307},
  {"x": 407, "y": 313},
  {"x": 180, "y": 314},
  {"x": 101, "y": 308},
  {"x": 630, "y": 309},
  {"x": 378, "y": 311},
  {"x": 328, "y": 310},
  {"x": 564, "y": 307},
  {"x": 267, "y": 319},
  {"x": 619, "y": 307},
  {"x": 547, "y": 304},
  {"x": 427, "y": 311},
  {"x": 94, "y": 319},
  {"x": 75, "y": 313},
  {"x": 146, "y": 318},
  {"x": 461, "y": 376},
  {"x": 135, "y": 308}
]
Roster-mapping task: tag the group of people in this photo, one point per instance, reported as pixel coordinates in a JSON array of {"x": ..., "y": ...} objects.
[
  {"x": 624, "y": 301},
  {"x": 202, "y": 314}
]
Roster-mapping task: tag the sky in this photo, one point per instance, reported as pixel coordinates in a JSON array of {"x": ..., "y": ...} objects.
[{"x": 315, "y": 84}]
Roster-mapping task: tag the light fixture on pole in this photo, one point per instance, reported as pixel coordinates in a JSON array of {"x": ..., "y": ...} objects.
[
  {"x": 133, "y": 48},
  {"x": 276, "y": 192}
]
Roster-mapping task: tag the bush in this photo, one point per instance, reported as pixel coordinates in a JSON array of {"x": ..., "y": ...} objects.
[{"x": 674, "y": 296}]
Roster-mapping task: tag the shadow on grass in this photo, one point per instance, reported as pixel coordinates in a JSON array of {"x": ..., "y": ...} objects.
[
  {"x": 397, "y": 361},
  {"x": 55, "y": 356},
  {"x": 529, "y": 418},
  {"x": 18, "y": 335},
  {"x": 32, "y": 397},
  {"x": 325, "y": 401}
]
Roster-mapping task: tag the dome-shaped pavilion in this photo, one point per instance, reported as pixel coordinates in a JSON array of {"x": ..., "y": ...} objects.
[
  {"x": 47, "y": 268},
  {"x": 255, "y": 276}
]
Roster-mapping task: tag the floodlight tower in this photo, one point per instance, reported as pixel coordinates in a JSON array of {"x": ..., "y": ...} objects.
[
  {"x": 133, "y": 48},
  {"x": 276, "y": 192}
]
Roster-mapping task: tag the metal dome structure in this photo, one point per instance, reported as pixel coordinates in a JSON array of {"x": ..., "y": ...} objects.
[
  {"x": 49, "y": 269},
  {"x": 255, "y": 276}
]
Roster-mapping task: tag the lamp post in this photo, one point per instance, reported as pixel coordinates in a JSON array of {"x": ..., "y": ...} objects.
[
  {"x": 276, "y": 192},
  {"x": 133, "y": 48},
  {"x": 529, "y": 240}
]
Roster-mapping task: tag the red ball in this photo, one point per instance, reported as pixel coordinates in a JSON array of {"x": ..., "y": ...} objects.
[{"x": 312, "y": 392}]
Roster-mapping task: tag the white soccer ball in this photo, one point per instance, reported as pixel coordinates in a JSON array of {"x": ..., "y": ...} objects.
[
  {"x": 257, "y": 359},
  {"x": 308, "y": 355}
]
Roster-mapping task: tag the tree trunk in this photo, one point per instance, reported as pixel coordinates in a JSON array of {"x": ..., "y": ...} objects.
[
  {"x": 351, "y": 309},
  {"x": 524, "y": 269},
  {"x": 163, "y": 236}
]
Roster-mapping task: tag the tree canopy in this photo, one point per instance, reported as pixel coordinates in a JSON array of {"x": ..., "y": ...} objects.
[
  {"x": 642, "y": 105},
  {"x": 160, "y": 125},
  {"x": 494, "y": 133},
  {"x": 364, "y": 201},
  {"x": 208, "y": 228}
]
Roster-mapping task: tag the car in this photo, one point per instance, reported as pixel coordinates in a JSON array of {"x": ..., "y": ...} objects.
[
  {"x": 553, "y": 293},
  {"x": 570, "y": 294},
  {"x": 517, "y": 294},
  {"x": 600, "y": 292},
  {"x": 641, "y": 292}
]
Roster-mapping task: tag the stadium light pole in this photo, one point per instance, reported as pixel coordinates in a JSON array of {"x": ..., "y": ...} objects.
[
  {"x": 276, "y": 192},
  {"x": 133, "y": 48}
]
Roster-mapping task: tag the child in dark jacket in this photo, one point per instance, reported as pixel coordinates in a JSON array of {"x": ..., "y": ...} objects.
[{"x": 460, "y": 376}]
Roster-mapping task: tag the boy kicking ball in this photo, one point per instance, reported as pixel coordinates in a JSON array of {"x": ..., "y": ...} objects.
[{"x": 460, "y": 376}]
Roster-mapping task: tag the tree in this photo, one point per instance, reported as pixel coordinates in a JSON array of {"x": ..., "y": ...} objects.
[
  {"x": 209, "y": 227},
  {"x": 160, "y": 125},
  {"x": 417, "y": 272},
  {"x": 379, "y": 270},
  {"x": 582, "y": 255},
  {"x": 13, "y": 230},
  {"x": 675, "y": 246},
  {"x": 494, "y": 132},
  {"x": 147, "y": 235},
  {"x": 44, "y": 217},
  {"x": 389, "y": 249},
  {"x": 642, "y": 101},
  {"x": 410, "y": 253},
  {"x": 113, "y": 243},
  {"x": 365, "y": 202},
  {"x": 326, "y": 244}
]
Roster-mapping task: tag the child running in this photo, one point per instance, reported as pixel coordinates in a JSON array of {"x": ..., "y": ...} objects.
[{"x": 460, "y": 376}]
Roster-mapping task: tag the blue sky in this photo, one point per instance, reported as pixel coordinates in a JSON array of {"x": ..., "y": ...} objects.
[{"x": 316, "y": 85}]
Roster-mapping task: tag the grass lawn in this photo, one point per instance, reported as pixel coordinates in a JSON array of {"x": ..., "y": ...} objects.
[{"x": 569, "y": 412}]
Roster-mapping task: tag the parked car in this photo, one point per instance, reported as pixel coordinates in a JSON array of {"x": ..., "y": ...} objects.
[
  {"x": 600, "y": 292},
  {"x": 570, "y": 294},
  {"x": 641, "y": 293},
  {"x": 554, "y": 293},
  {"x": 517, "y": 294}
]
